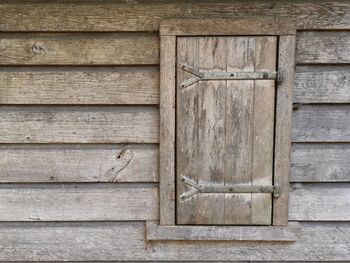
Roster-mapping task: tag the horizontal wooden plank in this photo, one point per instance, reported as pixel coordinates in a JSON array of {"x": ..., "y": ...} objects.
[
  {"x": 79, "y": 202},
  {"x": 321, "y": 123},
  {"x": 139, "y": 163},
  {"x": 143, "y": 16},
  {"x": 154, "y": 231},
  {"x": 78, "y": 163},
  {"x": 84, "y": 202},
  {"x": 239, "y": 26},
  {"x": 142, "y": 49},
  {"x": 320, "y": 162},
  {"x": 320, "y": 202},
  {"x": 332, "y": 47},
  {"x": 322, "y": 84},
  {"x": 96, "y": 124},
  {"x": 141, "y": 86},
  {"x": 41, "y": 124},
  {"x": 82, "y": 86},
  {"x": 125, "y": 241},
  {"x": 82, "y": 49}
]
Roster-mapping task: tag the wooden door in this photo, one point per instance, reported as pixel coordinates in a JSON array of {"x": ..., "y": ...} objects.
[{"x": 224, "y": 129}]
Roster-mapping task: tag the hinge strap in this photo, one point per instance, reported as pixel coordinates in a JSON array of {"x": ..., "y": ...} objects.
[
  {"x": 238, "y": 75},
  {"x": 235, "y": 188}
]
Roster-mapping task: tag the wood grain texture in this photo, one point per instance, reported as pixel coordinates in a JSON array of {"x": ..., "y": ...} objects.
[
  {"x": 263, "y": 123},
  {"x": 332, "y": 47},
  {"x": 210, "y": 147},
  {"x": 82, "y": 86},
  {"x": 229, "y": 233},
  {"x": 78, "y": 124},
  {"x": 101, "y": 202},
  {"x": 77, "y": 163},
  {"x": 320, "y": 202},
  {"x": 283, "y": 127},
  {"x": 167, "y": 130},
  {"x": 321, "y": 123},
  {"x": 74, "y": 49},
  {"x": 142, "y": 16},
  {"x": 320, "y": 162},
  {"x": 134, "y": 86},
  {"x": 79, "y": 202},
  {"x": 141, "y": 49},
  {"x": 186, "y": 51},
  {"x": 125, "y": 241},
  {"x": 239, "y": 26},
  {"x": 27, "y": 124},
  {"x": 325, "y": 84}
]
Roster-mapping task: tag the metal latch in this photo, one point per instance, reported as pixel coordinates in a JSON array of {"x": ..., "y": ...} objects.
[
  {"x": 235, "y": 188},
  {"x": 238, "y": 75}
]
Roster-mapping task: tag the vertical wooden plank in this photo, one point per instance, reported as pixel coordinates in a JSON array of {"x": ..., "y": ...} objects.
[
  {"x": 167, "y": 130},
  {"x": 239, "y": 129},
  {"x": 211, "y": 104},
  {"x": 283, "y": 128},
  {"x": 200, "y": 129},
  {"x": 187, "y": 52},
  {"x": 263, "y": 121}
]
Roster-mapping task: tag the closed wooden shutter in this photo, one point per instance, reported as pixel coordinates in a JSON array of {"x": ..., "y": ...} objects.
[{"x": 224, "y": 130}]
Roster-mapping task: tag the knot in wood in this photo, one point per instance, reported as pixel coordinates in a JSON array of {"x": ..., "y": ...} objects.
[{"x": 38, "y": 49}]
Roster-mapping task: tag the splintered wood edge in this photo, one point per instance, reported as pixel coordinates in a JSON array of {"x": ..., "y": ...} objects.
[
  {"x": 237, "y": 26},
  {"x": 289, "y": 233}
]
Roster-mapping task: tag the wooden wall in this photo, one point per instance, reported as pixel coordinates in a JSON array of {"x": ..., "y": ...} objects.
[{"x": 79, "y": 120}]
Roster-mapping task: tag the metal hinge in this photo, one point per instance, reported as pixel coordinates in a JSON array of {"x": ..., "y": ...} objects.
[
  {"x": 235, "y": 188},
  {"x": 238, "y": 75}
]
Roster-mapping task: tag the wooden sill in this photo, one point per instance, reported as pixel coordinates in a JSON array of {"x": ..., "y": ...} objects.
[{"x": 224, "y": 233}]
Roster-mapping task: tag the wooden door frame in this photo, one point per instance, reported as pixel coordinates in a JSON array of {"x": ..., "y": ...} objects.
[{"x": 285, "y": 30}]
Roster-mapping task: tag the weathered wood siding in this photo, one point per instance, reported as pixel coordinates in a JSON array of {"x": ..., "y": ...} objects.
[{"x": 79, "y": 131}]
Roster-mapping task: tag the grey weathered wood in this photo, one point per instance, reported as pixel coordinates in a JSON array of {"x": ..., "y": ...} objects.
[
  {"x": 321, "y": 123},
  {"x": 78, "y": 124},
  {"x": 167, "y": 130},
  {"x": 19, "y": 124},
  {"x": 283, "y": 128},
  {"x": 325, "y": 84},
  {"x": 320, "y": 202},
  {"x": 154, "y": 231},
  {"x": 82, "y": 86},
  {"x": 312, "y": 85},
  {"x": 53, "y": 49},
  {"x": 84, "y": 202},
  {"x": 79, "y": 202},
  {"x": 186, "y": 51},
  {"x": 320, "y": 162},
  {"x": 141, "y": 16},
  {"x": 332, "y": 47},
  {"x": 244, "y": 26},
  {"x": 210, "y": 147},
  {"x": 263, "y": 123},
  {"x": 142, "y": 49},
  {"x": 125, "y": 241},
  {"x": 77, "y": 163}
]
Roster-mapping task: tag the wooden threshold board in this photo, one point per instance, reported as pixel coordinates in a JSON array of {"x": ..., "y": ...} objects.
[{"x": 290, "y": 233}]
